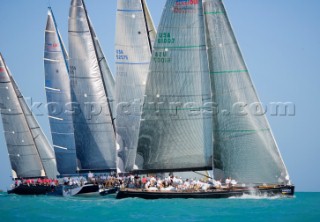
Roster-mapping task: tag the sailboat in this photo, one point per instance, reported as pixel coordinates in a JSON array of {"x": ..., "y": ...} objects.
[
  {"x": 133, "y": 53},
  {"x": 30, "y": 153},
  {"x": 93, "y": 119},
  {"x": 58, "y": 93},
  {"x": 196, "y": 64}
]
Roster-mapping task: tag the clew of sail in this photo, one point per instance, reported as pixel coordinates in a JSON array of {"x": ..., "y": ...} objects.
[
  {"x": 29, "y": 151},
  {"x": 92, "y": 117},
  {"x": 57, "y": 87},
  {"x": 176, "y": 127},
  {"x": 133, "y": 53},
  {"x": 244, "y": 147}
]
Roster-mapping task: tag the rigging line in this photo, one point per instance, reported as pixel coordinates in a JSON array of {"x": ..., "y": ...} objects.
[{"x": 202, "y": 174}]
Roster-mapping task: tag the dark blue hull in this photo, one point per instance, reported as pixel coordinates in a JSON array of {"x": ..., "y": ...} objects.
[
  {"x": 31, "y": 190},
  {"x": 273, "y": 191}
]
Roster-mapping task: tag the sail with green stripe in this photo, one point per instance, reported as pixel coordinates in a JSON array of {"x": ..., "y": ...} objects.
[
  {"x": 244, "y": 146},
  {"x": 175, "y": 132}
]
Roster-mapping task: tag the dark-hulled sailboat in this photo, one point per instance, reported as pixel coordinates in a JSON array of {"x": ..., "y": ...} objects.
[
  {"x": 30, "y": 153},
  {"x": 197, "y": 68}
]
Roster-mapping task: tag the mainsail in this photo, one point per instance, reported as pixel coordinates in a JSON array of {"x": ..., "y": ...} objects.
[
  {"x": 58, "y": 93},
  {"x": 135, "y": 33},
  {"x": 244, "y": 147},
  {"x": 176, "y": 129},
  {"x": 29, "y": 151},
  {"x": 92, "y": 117}
]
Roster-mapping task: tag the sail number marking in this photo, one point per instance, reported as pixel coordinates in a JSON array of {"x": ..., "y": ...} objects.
[
  {"x": 120, "y": 55},
  {"x": 165, "y": 37},
  {"x": 161, "y": 57}
]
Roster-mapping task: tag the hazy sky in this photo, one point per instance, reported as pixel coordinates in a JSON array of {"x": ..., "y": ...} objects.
[{"x": 280, "y": 42}]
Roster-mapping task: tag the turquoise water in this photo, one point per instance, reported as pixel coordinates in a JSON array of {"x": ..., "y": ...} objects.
[{"x": 303, "y": 207}]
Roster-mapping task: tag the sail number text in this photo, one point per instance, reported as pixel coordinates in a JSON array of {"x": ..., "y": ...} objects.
[{"x": 120, "y": 55}]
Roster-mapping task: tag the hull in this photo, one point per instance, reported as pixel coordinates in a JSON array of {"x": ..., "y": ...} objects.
[
  {"x": 268, "y": 191},
  {"x": 85, "y": 190},
  {"x": 31, "y": 190},
  {"x": 105, "y": 192}
]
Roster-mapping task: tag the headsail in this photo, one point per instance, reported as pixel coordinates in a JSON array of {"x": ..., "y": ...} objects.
[
  {"x": 244, "y": 147},
  {"x": 133, "y": 53},
  {"x": 108, "y": 79},
  {"x": 176, "y": 132},
  {"x": 92, "y": 117},
  {"x": 58, "y": 93},
  {"x": 29, "y": 151}
]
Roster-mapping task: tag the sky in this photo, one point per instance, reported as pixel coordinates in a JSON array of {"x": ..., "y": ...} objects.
[{"x": 279, "y": 40}]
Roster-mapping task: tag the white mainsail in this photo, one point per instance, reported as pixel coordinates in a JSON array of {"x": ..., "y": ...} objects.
[
  {"x": 29, "y": 151},
  {"x": 58, "y": 93},
  {"x": 176, "y": 129},
  {"x": 135, "y": 35},
  {"x": 92, "y": 117},
  {"x": 244, "y": 147}
]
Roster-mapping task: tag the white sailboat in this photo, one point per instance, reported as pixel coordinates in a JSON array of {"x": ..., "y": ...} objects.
[
  {"x": 30, "y": 153},
  {"x": 196, "y": 64}
]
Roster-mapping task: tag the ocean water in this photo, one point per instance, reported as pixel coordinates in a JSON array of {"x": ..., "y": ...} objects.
[{"x": 303, "y": 207}]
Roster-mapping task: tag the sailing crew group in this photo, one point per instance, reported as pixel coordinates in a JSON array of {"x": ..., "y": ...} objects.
[{"x": 174, "y": 183}]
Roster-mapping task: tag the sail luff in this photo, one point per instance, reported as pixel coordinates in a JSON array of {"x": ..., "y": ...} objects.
[
  {"x": 176, "y": 130},
  {"x": 244, "y": 146},
  {"x": 57, "y": 85},
  {"x": 92, "y": 117}
]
